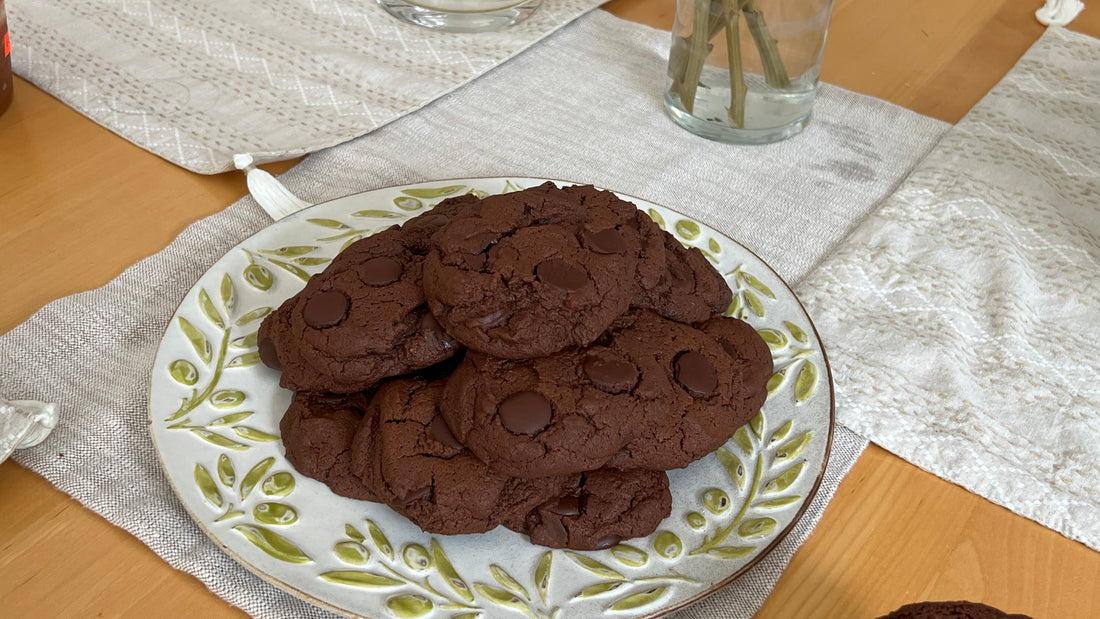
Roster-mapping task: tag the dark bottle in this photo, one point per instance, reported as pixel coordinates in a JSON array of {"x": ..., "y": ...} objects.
[{"x": 5, "y": 61}]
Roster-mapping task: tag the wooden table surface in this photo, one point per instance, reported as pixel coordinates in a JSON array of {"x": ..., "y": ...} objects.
[{"x": 78, "y": 205}]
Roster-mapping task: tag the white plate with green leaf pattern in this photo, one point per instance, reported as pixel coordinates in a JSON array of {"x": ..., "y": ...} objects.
[{"x": 215, "y": 413}]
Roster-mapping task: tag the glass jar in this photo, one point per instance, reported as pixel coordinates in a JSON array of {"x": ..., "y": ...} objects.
[
  {"x": 5, "y": 61},
  {"x": 746, "y": 71}
]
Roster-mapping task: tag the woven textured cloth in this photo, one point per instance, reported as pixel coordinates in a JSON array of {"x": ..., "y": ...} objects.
[
  {"x": 197, "y": 82},
  {"x": 962, "y": 315},
  {"x": 790, "y": 202}
]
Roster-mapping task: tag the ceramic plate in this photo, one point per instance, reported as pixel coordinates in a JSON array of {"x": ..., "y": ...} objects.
[{"x": 215, "y": 413}]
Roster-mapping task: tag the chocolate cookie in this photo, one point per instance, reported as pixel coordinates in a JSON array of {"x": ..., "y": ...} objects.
[
  {"x": 601, "y": 509},
  {"x": 752, "y": 358},
  {"x": 564, "y": 413},
  {"x": 690, "y": 291},
  {"x": 693, "y": 396},
  {"x": 407, "y": 454},
  {"x": 317, "y": 431},
  {"x": 950, "y": 610},
  {"x": 528, "y": 273},
  {"x": 362, "y": 319}
]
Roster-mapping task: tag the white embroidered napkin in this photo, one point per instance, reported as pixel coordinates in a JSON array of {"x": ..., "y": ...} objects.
[
  {"x": 789, "y": 202},
  {"x": 962, "y": 315},
  {"x": 197, "y": 82}
]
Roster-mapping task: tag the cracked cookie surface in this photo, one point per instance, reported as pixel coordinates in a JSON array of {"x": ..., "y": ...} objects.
[
  {"x": 526, "y": 274},
  {"x": 317, "y": 431},
  {"x": 364, "y": 318}
]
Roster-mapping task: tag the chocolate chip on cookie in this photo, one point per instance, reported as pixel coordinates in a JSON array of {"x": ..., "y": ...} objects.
[{"x": 362, "y": 319}]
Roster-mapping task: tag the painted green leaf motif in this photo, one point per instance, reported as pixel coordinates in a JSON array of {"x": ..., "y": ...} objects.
[
  {"x": 594, "y": 566},
  {"x": 352, "y": 553},
  {"x": 709, "y": 256},
  {"x": 416, "y": 557},
  {"x": 197, "y": 339},
  {"x": 433, "y": 192},
  {"x": 228, "y": 295},
  {"x": 353, "y": 533},
  {"x": 253, "y": 434},
  {"x": 741, "y": 438},
  {"x": 291, "y": 251},
  {"x": 328, "y": 223},
  {"x": 343, "y": 235},
  {"x": 629, "y": 555},
  {"x": 687, "y": 229},
  {"x": 245, "y": 360},
  {"x": 245, "y": 341},
  {"x": 226, "y": 398},
  {"x": 275, "y": 514},
  {"x": 696, "y": 520},
  {"x": 714, "y": 246},
  {"x": 207, "y": 486},
  {"x": 637, "y": 600},
  {"x": 776, "y": 381},
  {"x": 793, "y": 447},
  {"x": 311, "y": 261},
  {"x": 600, "y": 588},
  {"x": 207, "y": 306},
  {"x": 409, "y": 606},
  {"x": 380, "y": 540},
  {"x": 230, "y": 419},
  {"x": 668, "y": 545},
  {"x": 377, "y": 214},
  {"x": 258, "y": 276},
  {"x": 758, "y": 285},
  {"x": 734, "y": 468},
  {"x": 272, "y": 543},
  {"x": 542, "y": 575},
  {"x": 406, "y": 203},
  {"x": 254, "y": 475},
  {"x": 777, "y": 503},
  {"x": 796, "y": 332},
  {"x": 756, "y": 424},
  {"x": 218, "y": 439},
  {"x": 756, "y": 527},
  {"x": 280, "y": 484},
  {"x": 253, "y": 316},
  {"x": 448, "y": 572},
  {"x": 502, "y": 597},
  {"x": 348, "y": 243},
  {"x": 806, "y": 382},
  {"x": 716, "y": 500},
  {"x": 226, "y": 473},
  {"x": 296, "y": 270},
  {"x": 735, "y": 307},
  {"x": 780, "y": 432},
  {"x": 511, "y": 584},
  {"x": 183, "y": 372},
  {"x": 731, "y": 552},
  {"x": 360, "y": 579},
  {"x": 754, "y": 302},
  {"x": 774, "y": 338},
  {"x": 656, "y": 217},
  {"x": 785, "y": 480}
]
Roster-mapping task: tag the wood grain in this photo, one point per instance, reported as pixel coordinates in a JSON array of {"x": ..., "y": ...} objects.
[{"x": 79, "y": 204}]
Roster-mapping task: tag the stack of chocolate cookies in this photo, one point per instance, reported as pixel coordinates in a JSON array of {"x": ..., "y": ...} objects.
[{"x": 535, "y": 359}]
